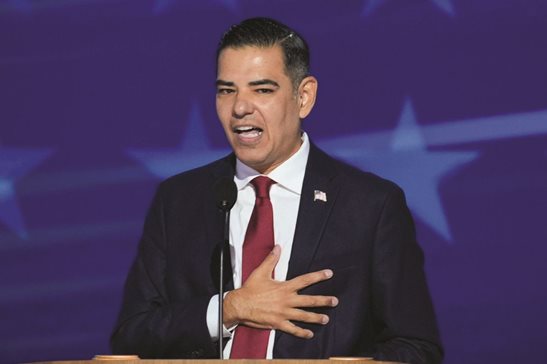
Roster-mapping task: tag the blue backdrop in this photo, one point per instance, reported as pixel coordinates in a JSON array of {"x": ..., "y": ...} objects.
[{"x": 101, "y": 99}]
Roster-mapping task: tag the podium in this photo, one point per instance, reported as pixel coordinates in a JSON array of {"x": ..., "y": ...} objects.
[
  {"x": 133, "y": 359},
  {"x": 129, "y": 360}
]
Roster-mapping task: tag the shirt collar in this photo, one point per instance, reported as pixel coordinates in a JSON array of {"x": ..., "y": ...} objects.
[{"x": 289, "y": 174}]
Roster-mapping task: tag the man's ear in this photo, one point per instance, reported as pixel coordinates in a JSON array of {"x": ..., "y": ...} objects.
[{"x": 307, "y": 92}]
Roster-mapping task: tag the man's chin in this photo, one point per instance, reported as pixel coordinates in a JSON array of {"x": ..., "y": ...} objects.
[{"x": 258, "y": 164}]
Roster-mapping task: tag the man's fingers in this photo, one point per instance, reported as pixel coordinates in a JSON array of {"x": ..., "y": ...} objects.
[
  {"x": 308, "y": 317},
  {"x": 292, "y": 329},
  {"x": 275, "y": 304},
  {"x": 308, "y": 279},
  {"x": 313, "y": 301},
  {"x": 268, "y": 264}
]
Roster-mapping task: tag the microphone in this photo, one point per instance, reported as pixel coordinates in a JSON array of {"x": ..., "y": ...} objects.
[{"x": 225, "y": 192}]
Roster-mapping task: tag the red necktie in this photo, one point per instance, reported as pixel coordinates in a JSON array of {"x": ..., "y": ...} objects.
[{"x": 251, "y": 343}]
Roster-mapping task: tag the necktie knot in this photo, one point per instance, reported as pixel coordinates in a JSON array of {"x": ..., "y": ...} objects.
[{"x": 262, "y": 186}]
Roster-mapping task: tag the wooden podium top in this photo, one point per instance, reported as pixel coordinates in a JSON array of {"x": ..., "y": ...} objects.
[{"x": 127, "y": 360}]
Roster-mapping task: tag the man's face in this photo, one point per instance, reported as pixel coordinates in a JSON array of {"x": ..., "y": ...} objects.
[{"x": 257, "y": 106}]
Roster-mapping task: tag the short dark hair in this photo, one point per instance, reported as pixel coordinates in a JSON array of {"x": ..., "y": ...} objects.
[{"x": 265, "y": 33}]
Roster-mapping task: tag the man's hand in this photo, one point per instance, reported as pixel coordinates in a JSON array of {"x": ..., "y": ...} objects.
[{"x": 265, "y": 303}]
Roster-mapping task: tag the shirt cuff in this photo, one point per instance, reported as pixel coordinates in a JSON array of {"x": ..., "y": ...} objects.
[{"x": 212, "y": 320}]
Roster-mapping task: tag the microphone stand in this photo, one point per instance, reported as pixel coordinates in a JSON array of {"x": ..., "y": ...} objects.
[
  {"x": 225, "y": 192},
  {"x": 225, "y": 243}
]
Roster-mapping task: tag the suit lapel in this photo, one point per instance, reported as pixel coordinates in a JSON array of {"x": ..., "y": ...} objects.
[{"x": 313, "y": 213}]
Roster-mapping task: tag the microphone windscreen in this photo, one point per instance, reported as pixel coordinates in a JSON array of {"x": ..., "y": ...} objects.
[{"x": 225, "y": 191}]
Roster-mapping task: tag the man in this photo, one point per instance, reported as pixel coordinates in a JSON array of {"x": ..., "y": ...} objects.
[{"x": 345, "y": 276}]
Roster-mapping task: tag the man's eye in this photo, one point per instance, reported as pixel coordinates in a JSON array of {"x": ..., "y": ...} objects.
[
  {"x": 224, "y": 91},
  {"x": 264, "y": 90}
]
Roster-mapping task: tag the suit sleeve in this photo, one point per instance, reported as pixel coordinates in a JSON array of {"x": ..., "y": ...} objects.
[
  {"x": 403, "y": 312},
  {"x": 150, "y": 324}
]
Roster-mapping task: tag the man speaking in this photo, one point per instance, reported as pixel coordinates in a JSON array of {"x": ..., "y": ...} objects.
[{"x": 324, "y": 260}]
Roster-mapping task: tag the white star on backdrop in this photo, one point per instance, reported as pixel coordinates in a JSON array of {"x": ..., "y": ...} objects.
[
  {"x": 444, "y": 5},
  {"x": 406, "y": 161},
  {"x": 193, "y": 151},
  {"x": 16, "y": 163}
]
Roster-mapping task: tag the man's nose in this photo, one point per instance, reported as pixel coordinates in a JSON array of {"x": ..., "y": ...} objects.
[{"x": 242, "y": 106}]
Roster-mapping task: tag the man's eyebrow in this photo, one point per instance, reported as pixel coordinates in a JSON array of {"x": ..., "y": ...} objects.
[
  {"x": 263, "y": 82},
  {"x": 224, "y": 83}
]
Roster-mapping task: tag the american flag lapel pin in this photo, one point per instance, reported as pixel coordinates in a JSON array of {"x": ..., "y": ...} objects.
[{"x": 319, "y": 195}]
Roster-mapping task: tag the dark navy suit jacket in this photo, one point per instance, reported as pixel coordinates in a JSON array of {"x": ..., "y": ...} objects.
[{"x": 363, "y": 232}]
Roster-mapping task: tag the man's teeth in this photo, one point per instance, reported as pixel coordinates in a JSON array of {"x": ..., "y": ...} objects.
[{"x": 248, "y": 130}]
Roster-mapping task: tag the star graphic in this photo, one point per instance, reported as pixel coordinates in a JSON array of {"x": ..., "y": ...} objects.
[
  {"x": 444, "y": 5},
  {"x": 16, "y": 163},
  {"x": 408, "y": 162},
  {"x": 160, "y": 6},
  {"x": 193, "y": 151}
]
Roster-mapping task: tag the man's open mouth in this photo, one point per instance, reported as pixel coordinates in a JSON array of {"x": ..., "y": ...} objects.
[{"x": 247, "y": 131}]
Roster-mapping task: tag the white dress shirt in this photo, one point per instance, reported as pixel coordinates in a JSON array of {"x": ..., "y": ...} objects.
[{"x": 285, "y": 198}]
